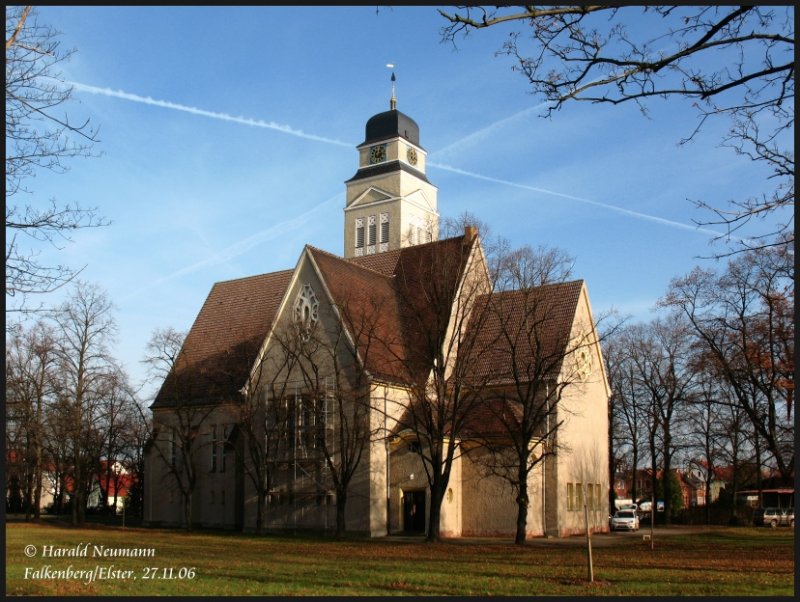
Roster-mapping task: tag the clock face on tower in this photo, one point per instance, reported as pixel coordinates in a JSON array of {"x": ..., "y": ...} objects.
[
  {"x": 377, "y": 153},
  {"x": 411, "y": 155}
]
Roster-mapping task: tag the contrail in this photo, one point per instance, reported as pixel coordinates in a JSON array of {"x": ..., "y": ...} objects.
[
  {"x": 485, "y": 131},
  {"x": 270, "y": 125},
  {"x": 300, "y": 134},
  {"x": 242, "y": 246},
  {"x": 622, "y": 210}
]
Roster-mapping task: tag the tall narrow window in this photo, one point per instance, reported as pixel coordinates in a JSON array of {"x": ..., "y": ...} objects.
[
  {"x": 173, "y": 447},
  {"x": 359, "y": 233},
  {"x": 371, "y": 235},
  {"x": 372, "y": 231},
  {"x": 590, "y": 496},
  {"x": 579, "y": 496},
  {"x": 224, "y": 447},
  {"x": 384, "y": 227},
  {"x": 213, "y": 448},
  {"x": 570, "y": 497}
]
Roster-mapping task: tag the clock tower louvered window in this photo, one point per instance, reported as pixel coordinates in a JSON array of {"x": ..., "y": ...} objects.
[
  {"x": 359, "y": 236},
  {"x": 384, "y": 232},
  {"x": 372, "y": 230}
]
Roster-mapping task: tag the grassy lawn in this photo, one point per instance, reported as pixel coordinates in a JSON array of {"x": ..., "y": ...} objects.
[{"x": 735, "y": 561}]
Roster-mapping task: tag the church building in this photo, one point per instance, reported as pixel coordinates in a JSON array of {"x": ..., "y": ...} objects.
[{"x": 348, "y": 376}]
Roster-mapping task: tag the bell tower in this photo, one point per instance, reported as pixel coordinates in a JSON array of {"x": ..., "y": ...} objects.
[{"x": 390, "y": 203}]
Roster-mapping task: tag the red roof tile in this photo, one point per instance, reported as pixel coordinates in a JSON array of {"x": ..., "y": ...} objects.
[
  {"x": 224, "y": 340},
  {"x": 384, "y": 263},
  {"x": 526, "y": 330},
  {"x": 369, "y": 306},
  {"x": 399, "y": 313}
]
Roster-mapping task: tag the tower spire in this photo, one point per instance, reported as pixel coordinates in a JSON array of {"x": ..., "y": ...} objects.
[{"x": 393, "y": 99}]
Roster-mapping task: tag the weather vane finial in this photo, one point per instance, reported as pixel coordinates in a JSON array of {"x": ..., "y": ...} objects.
[{"x": 393, "y": 100}]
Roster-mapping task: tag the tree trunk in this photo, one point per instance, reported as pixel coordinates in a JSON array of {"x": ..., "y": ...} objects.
[
  {"x": 522, "y": 509},
  {"x": 77, "y": 497},
  {"x": 187, "y": 511},
  {"x": 434, "y": 518},
  {"x": 58, "y": 502},
  {"x": 37, "y": 492},
  {"x": 262, "y": 496},
  {"x": 28, "y": 496},
  {"x": 667, "y": 490},
  {"x": 341, "y": 506},
  {"x": 104, "y": 501}
]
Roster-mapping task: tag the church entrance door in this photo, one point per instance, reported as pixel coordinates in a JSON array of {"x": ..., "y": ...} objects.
[{"x": 414, "y": 511}]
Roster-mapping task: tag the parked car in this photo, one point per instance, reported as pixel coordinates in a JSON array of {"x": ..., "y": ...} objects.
[
  {"x": 625, "y": 520},
  {"x": 773, "y": 517}
]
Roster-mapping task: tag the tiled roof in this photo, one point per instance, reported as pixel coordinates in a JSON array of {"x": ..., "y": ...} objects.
[
  {"x": 369, "y": 306},
  {"x": 397, "y": 302},
  {"x": 527, "y": 330},
  {"x": 390, "y": 314},
  {"x": 426, "y": 282},
  {"x": 385, "y": 263},
  {"x": 223, "y": 343}
]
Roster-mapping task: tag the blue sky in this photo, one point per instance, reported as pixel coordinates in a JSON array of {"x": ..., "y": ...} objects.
[{"x": 226, "y": 135}]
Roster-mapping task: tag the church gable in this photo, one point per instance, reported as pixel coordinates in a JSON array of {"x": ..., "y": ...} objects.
[
  {"x": 304, "y": 311},
  {"x": 419, "y": 199},
  {"x": 370, "y": 196},
  {"x": 587, "y": 361}
]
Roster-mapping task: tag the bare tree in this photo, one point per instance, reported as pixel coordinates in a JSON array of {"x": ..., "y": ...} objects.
[
  {"x": 38, "y": 137},
  {"x": 663, "y": 374},
  {"x": 265, "y": 421},
  {"x": 30, "y": 388},
  {"x": 117, "y": 420},
  {"x": 178, "y": 426},
  {"x": 734, "y": 425},
  {"x": 731, "y": 61},
  {"x": 509, "y": 267},
  {"x": 743, "y": 319},
  {"x": 85, "y": 328},
  {"x": 437, "y": 290},
  {"x": 704, "y": 432},
  {"x": 528, "y": 381},
  {"x": 627, "y": 424},
  {"x": 526, "y": 346},
  {"x": 139, "y": 433}
]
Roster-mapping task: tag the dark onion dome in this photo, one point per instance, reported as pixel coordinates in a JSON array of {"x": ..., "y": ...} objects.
[{"x": 390, "y": 124}]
